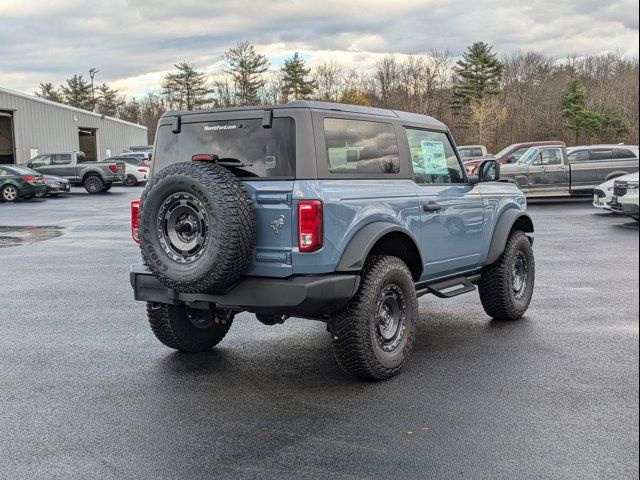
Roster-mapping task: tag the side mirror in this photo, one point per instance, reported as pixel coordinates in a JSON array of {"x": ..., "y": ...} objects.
[
  {"x": 489, "y": 171},
  {"x": 473, "y": 179},
  {"x": 30, "y": 165}
]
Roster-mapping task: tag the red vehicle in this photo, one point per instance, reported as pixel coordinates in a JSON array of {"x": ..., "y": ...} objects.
[{"x": 512, "y": 153}]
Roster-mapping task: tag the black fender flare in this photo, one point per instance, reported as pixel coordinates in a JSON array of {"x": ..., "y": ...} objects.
[
  {"x": 358, "y": 248},
  {"x": 503, "y": 227}
]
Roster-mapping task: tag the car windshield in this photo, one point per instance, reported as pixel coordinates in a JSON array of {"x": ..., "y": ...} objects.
[
  {"x": 504, "y": 151},
  {"x": 529, "y": 156}
]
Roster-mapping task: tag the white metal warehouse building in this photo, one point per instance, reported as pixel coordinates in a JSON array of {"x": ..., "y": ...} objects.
[{"x": 30, "y": 126}]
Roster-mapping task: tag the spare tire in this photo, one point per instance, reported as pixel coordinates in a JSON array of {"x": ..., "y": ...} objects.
[{"x": 197, "y": 227}]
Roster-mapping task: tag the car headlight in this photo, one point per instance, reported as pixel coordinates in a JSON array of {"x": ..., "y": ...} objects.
[{"x": 632, "y": 187}]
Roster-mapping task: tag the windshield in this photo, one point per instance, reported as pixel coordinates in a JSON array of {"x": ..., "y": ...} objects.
[
  {"x": 529, "y": 156},
  {"x": 504, "y": 151},
  {"x": 262, "y": 152}
]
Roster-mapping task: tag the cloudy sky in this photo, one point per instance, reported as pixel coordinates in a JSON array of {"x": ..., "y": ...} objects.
[{"x": 135, "y": 42}]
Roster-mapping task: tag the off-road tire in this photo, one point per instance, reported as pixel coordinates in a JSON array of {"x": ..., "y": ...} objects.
[
  {"x": 171, "y": 325},
  {"x": 227, "y": 247},
  {"x": 354, "y": 330},
  {"x": 496, "y": 284},
  {"x": 93, "y": 184}
]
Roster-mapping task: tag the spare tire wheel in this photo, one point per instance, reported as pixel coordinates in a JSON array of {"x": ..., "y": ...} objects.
[{"x": 197, "y": 227}]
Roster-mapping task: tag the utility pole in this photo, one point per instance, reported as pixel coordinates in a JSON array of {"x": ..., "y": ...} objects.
[{"x": 92, "y": 73}]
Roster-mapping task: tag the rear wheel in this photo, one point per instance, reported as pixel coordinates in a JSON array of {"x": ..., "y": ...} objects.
[
  {"x": 10, "y": 193},
  {"x": 93, "y": 184},
  {"x": 374, "y": 334},
  {"x": 506, "y": 287},
  {"x": 131, "y": 181},
  {"x": 186, "y": 329}
]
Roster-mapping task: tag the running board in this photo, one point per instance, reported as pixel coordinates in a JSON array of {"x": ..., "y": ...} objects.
[{"x": 450, "y": 287}]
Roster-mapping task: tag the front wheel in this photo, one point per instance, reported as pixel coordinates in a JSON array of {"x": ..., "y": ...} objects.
[
  {"x": 187, "y": 329},
  {"x": 131, "y": 181},
  {"x": 506, "y": 287},
  {"x": 374, "y": 334},
  {"x": 93, "y": 184}
]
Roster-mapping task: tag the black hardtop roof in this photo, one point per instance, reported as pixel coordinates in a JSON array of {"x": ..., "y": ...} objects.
[{"x": 324, "y": 106}]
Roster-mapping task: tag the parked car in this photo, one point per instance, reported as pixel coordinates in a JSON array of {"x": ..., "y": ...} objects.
[
  {"x": 55, "y": 186},
  {"x": 96, "y": 177},
  {"x": 136, "y": 169},
  {"x": 473, "y": 153},
  {"x": 18, "y": 181},
  {"x": 512, "y": 153},
  {"x": 344, "y": 218},
  {"x": 139, "y": 155},
  {"x": 625, "y": 197},
  {"x": 550, "y": 171},
  {"x": 603, "y": 193}
]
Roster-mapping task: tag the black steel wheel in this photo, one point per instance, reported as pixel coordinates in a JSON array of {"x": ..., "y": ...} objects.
[
  {"x": 506, "y": 287},
  {"x": 373, "y": 335}
]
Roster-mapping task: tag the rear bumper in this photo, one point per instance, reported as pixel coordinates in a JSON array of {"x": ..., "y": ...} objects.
[
  {"x": 298, "y": 295},
  {"x": 32, "y": 190}
]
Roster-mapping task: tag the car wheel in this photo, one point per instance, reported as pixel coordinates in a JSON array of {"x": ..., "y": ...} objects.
[
  {"x": 10, "y": 193},
  {"x": 506, "y": 287},
  {"x": 374, "y": 334},
  {"x": 197, "y": 227},
  {"x": 186, "y": 329},
  {"x": 93, "y": 184},
  {"x": 130, "y": 181}
]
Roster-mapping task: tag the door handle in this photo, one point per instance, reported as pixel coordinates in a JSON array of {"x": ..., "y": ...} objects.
[{"x": 431, "y": 207}]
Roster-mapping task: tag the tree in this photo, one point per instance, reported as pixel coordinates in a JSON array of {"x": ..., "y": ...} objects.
[
  {"x": 129, "y": 111},
  {"x": 77, "y": 93},
  {"x": 151, "y": 107},
  {"x": 246, "y": 67},
  {"x": 294, "y": 73},
  {"x": 354, "y": 97},
  {"x": 187, "y": 88},
  {"x": 485, "y": 116},
  {"x": 479, "y": 73},
  {"x": 108, "y": 100},
  {"x": 49, "y": 92},
  {"x": 327, "y": 78}
]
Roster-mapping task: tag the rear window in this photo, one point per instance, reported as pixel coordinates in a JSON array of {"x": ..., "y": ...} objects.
[
  {"x": 355, "y": 146},
  {"x": 265, "y": 152}
]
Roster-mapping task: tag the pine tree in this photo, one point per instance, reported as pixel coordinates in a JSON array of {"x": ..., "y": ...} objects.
[
  {"x": 187, "y": 88},
  {"x": 479, "y": 73},
  {"x": 294, "y": 73},
  {"x": 246, "y": 67},
  {"x": 77, "y": 93},
  {"x": 108, "y": 100},
  {"x": 49, "y": 92}
]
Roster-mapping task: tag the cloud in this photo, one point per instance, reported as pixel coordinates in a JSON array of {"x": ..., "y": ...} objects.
[{"x": 134, "y": 43}]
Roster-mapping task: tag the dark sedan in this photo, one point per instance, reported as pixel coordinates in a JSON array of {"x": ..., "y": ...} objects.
[
  {"x": 17, "y": 182},
  {"x": 55, "y": 186}
]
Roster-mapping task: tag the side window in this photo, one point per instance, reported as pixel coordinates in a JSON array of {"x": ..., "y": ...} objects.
[
  {"x": 551, "y": 156},
  {"x": 477, "y": 152},
  {"x": 600, "y": 154},
  {"x": 624, "y": 153},
  {"x": 3, "y": 172},
  {"x": 433, "y": 157},
  {"x": 518, "y": 153},
  {"x": 62, "y": 159},
  {"x": 41, "y": 161},
  {"x": 579, "y": 156},
  {"x": 356, "y": 146}
]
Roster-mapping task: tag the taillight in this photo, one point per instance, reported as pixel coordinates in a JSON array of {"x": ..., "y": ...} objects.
[
  {"x": 135, "y": 210},
  {"x": 113, "y": 168},
  {"x": 29, "y": 179},
  {"x": 143, "y": 170},
  {"x": 309, "y": 225}
]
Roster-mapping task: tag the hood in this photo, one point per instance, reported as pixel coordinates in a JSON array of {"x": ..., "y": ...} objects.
[{"x": 633, "y": 178}]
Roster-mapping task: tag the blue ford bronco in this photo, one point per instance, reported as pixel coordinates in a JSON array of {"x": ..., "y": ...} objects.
[{"x": 338, "y": 213}]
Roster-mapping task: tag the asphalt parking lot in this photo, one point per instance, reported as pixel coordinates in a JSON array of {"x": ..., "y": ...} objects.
[{"x": 87, "y": 391}]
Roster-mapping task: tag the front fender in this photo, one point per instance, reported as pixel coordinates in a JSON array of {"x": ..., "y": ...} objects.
[
  {"x": 362, "y": 242},
  {"x": 502, "y": 230}
]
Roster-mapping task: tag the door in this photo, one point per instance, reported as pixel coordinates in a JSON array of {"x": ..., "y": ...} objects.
[
  {"x": 62, "y": 166},
  {"x": 41, "y": 164},
  {"x": 452, "y": 212},
  {"x": 87, "y": 142},
  {"x": 7, "y": 150},
  {"x": 548, "y": 173}
]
